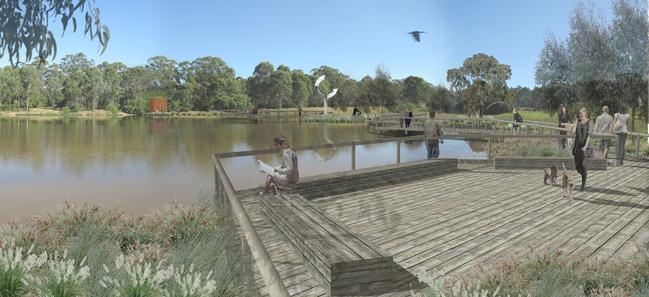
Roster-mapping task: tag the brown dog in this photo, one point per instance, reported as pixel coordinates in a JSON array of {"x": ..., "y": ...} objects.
[
  {"x": 568, "y": 183},
  {"x": 550, "y": 174}
]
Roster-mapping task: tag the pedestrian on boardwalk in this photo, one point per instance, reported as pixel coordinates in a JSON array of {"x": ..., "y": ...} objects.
[
  {"x": 564, "y": 120},
  {"x": 517, "y": 120},
  {"x": 604, "y": 125},
  {"x": 408, "y": 117},
  {"x": 620, "y": 129},
  {"x": 581, "y": 149},
  {"x": 432, "y": 136},
  {"x": 287, "y": 172}
]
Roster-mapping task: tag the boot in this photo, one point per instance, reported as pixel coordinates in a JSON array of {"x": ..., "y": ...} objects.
[{"x": 583, "y": 183}]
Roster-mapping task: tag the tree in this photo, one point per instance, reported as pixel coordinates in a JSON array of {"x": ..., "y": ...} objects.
[
  {"x": 365, "y": 100},
  {"x": 25, "y": 27},
  {"x": 302, "y": 89},
  {"x": 347, "y": 93},
  {"x": 439, "y": 99},
  {"x": 629, "y": 30},
  {"x": 135, "y": 83},
  {"x": 382, "y": 90},
  {"x": 258, "y": 85},
  {"x": 163, "y": 71},
  {"x": 53, "y": 85},
  {"x": 92, "y": 86},
  {"x": 416, "y": 90},
  {"x": 215, "y": 85},
  {"x": 281, "y": 87},
  {"x": 30, "y": 85},
  {"x": 74, "y": 68},
  {"x": 10, "y": 95},
  {"x": 112, "y": 83},
  {"x": 481, "y": 81}
]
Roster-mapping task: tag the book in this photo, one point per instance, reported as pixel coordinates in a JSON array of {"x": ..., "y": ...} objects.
[{"x": 263, "y": 167}]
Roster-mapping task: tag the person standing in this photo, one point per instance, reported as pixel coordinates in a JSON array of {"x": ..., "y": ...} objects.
[
  {"x": 581, "y": 149},
  {"x": 408, "y": 117},
  {"x": 517, "y": 120},
  {"x": 432, "y": 136},
  {"x": 620, "y": 129},
  {"x": 564, "y": 120},
  {"x": 604, "y": 125}
]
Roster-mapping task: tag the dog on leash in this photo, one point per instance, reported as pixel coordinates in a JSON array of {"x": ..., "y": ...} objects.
[
  {"x": 568, "y": 183},
  {"x": 550, "y": 174}
]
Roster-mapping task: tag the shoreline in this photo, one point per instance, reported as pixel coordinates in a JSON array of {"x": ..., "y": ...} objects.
[{"x": 49, "y": 113}]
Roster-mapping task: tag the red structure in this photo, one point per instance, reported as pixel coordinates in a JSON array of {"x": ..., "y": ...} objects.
[{"x": 158, "y": 104}]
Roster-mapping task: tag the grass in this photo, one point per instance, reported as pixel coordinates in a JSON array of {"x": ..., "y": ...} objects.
[
  {"x": 334, "y": 119},
  {"x": 529, "y": 147},
  {"x": 551, "y": 274},
  {"x": 174, "y": 251},
  {"x": 536, "y": 116}
]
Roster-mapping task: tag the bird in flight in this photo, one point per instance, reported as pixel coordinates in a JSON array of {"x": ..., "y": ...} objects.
[{"x": 415, "y": 35}]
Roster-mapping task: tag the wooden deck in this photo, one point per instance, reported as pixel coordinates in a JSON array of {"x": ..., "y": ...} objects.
[{"x": 476, "y": 217}]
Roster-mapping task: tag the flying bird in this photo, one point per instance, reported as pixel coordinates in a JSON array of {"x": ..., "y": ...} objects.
[{"x": 415, "y": 35}]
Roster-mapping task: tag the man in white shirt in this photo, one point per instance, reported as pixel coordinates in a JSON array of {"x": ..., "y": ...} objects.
[
  {"x": 432, "y": 136},
  {"x": 604, "y": 125}
]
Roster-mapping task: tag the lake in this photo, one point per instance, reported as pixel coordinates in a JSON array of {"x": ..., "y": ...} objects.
[{"x": 137, "y": 164}]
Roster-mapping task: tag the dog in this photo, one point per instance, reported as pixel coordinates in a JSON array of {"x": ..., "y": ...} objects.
[
  {"x": 550, "y": 174},
  {"x": 568, "y": 183}
]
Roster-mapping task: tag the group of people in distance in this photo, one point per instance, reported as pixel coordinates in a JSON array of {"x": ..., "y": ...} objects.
[{"x": 583, "y": 129}]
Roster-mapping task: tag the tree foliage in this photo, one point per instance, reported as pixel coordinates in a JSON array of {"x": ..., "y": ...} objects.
[
  {"x": 24, "y": 27},
  {"x": 206, "y": 83},
  {"x": 480, "y": 81},
  {"x": 599, "y": 63}
]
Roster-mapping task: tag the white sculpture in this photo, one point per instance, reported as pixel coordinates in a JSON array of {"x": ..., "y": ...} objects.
[{"x": 324, "y": 97}]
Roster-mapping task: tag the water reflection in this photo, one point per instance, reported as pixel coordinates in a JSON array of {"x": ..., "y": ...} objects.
[{"x": 138, "y": 164}]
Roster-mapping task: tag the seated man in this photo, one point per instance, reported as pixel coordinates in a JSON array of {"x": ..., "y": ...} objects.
[{"x": 287, "y": 172}]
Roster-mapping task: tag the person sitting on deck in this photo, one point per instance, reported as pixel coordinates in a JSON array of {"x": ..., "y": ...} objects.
[{"x": 287, "y": 173}]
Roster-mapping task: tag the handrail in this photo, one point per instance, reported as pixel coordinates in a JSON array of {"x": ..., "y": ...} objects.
[{"x": 268, "y": 272}]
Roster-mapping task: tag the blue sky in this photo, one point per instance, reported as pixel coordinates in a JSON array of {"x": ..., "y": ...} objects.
[{"x": 351, "y": 35}]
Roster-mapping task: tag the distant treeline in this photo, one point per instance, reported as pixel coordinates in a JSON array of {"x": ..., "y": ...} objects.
[{"x": 208, "y": 83}]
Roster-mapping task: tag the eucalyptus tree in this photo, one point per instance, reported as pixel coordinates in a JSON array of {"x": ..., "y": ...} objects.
[
  {"x": 382, "y": 89},
  {"x": 24, "y": 27},
  {"x": 281, "y": 87},
  {"x": 53, "y": 85},
  {"x": 259, "y": 84},
  {"x": 481, "y": 80},
  {"x": 302, "y": 88},
  {"x": 31, "y": 85}
]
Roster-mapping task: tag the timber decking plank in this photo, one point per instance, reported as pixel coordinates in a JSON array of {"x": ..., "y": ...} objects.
[{"x": 546, "y": 234}]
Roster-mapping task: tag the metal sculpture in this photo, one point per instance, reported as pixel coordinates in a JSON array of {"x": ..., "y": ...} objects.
[{"x": 324, "y": 97}]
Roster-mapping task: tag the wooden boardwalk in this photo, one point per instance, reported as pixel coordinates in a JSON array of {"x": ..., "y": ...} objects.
[{"x": 476, "y": 217}]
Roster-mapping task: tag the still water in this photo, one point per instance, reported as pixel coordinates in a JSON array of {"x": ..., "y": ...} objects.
[{"x": 137, "y": 164}]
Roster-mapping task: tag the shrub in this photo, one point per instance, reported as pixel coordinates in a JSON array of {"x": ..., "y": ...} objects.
[{"x": 16, "y": 266}]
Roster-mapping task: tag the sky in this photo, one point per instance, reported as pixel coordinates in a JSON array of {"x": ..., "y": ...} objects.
[{"x": 353, "y": 36}]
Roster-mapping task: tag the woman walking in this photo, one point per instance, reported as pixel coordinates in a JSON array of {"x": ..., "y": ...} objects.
[
  {"x": 581, "y": 148},
  {"x": 564, "y": 119},
  {"x": 620, "y": 129}
]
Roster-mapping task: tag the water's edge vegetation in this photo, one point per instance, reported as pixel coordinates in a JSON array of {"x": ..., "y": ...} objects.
[{"x": 91, "y": 251}]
